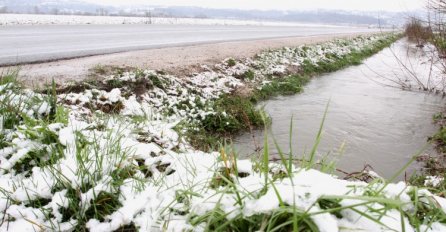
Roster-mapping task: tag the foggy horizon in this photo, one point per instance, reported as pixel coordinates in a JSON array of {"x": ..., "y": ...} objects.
[{"x": 347, "y": 5}]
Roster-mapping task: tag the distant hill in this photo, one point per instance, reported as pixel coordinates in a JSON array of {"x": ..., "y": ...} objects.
[
  {"x": 50, "y": 6},
  {"x": 314, "y": 16},
  {"x": 318, "y": 16}
]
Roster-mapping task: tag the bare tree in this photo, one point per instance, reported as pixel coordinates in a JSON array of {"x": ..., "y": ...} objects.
[
  {"x": 437, "y": 21},
  {"x": 428, "y": 34}
]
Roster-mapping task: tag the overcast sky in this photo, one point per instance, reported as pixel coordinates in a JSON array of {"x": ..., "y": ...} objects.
[{"x": 366, "y": 5}]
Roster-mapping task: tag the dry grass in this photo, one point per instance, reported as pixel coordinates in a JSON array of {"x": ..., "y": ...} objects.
[{"x": 417, "y": 32}]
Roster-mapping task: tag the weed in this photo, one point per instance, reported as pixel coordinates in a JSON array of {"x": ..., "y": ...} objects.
[
  {"x": 115, "y": 83},
  {"x": 200, "y": 138},
  {"x": 248, "y": 75},
  {"x": 416, "y": 31},
  {"x": 9, "y": 78},
  {"x": 99, "y": 69},
  {"x": 234, "y": 113},
  {"x": 158, "y": 82},
  {"x": 280, "y": 220},
  {"x": 283, "y": 86},
  {"x": 231, "y": 62}
]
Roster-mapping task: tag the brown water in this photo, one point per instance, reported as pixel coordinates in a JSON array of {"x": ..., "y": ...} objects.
[{"x": 380, "y": 125}]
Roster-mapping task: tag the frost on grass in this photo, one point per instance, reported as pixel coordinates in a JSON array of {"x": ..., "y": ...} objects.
[
  {"x": 433, "y": 181},
  {"x": 111, "y": 157}
]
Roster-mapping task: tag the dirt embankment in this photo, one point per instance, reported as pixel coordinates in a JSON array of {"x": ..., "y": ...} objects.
[{"x": 180, "y": 61}]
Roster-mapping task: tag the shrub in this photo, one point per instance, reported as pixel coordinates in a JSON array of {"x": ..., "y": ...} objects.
[{"x": 417, "y": 32}]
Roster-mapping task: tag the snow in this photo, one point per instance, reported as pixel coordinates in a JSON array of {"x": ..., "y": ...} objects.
[
  {"x": 55, "y": 127},
  {"x": 433, "y": 181},
  {"x": 22, "y": 148},
  {"x": 58, "y": 201},
  {"x": 25, "y": 225},
  {"x": 44, "y": 108},
  {"x": 114, "y": 95},
  {"x": 326, "y": 222},
  {"x": 167, "y": 183},
  {"x": 104, "y": 185},
  {"x": 27, "y": 219},
  {"x": 140, "y": 150},
  {"x": 436, "y": 226},
  {"x": 377, "y": 220},
  {"x": 31, "y": 19},
  {"x": 133, "y": 107},
  {"x": 441, "y": 202}
]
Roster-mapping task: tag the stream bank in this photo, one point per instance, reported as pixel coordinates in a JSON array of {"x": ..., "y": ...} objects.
[
  {"x": 109, "y": 156},
  {"x": 369, "y": 122}
]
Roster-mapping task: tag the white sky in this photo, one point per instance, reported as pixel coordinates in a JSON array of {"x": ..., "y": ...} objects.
[{"x": 365, "y": 5}]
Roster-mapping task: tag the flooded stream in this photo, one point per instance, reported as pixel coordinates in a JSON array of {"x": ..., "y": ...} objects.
[{"x": 380, "y": 125}]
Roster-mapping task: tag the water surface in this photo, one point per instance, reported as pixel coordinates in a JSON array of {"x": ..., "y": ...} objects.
[{"x": 380, "y": 125}]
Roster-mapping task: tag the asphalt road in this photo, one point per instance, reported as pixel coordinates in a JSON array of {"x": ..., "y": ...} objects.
[{"x": 32, "y": 44}]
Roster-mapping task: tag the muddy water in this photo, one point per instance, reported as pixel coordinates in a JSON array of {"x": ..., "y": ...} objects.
[{"x": 380, "y": 125}]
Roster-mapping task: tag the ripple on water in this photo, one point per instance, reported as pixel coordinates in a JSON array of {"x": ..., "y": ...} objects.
[{"x": 380, "y": 125}]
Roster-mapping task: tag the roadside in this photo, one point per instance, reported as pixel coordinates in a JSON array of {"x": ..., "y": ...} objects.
[
  {"x": 179, "y": 61},
  {"x": 230, "y": 88},
  {"x": 40, "y": 19},
  {"x": 112, "y": 157}
]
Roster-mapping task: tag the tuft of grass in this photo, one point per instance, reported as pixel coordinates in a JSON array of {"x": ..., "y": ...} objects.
[
  {"x": 10, "y": 77},
  {"x": 248, "y": 75},
  {"x": 201, "y": 139},
  {"x": 158, "y": 82},
  {"x": 433, "y": 165},
  {"x": 233, "y": 114},
  {"x": 100, "y": 69},
  {"x": 279, "y": 220},
  {"x": 231, "y": 62},
  {"x": 115, "y": 83},
  {"x": 439, "y": 139},
  {"x": 440, "y": 44},
  {"x": 289, "y": 85},
  {"x": 417, "y": 32}
]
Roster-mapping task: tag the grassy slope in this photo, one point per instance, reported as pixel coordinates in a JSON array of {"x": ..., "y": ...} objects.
[
  {"x": 245, "y": 115},
  {"x": 242, "y": 113}
]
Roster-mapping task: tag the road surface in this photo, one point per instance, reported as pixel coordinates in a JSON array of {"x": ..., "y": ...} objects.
[{"x": 33, "y": 44}]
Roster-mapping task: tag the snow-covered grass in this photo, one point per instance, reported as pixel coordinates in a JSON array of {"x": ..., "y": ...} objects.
[
  {"x": 33, "y": 19},
  {"x": 111, "y": 155}
]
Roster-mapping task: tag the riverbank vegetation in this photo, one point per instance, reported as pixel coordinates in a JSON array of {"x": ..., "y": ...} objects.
[
  {"x": 429, "y": 36},
  {"x": 417, "y": 32},
  {"x": 220, "y": 101},
  {"x": 118, "y": 155}
]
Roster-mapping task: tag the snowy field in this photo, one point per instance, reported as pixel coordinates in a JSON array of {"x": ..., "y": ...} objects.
[
  {"x": 30, "y": 19},
  {"x": 108, "y": 159}
]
